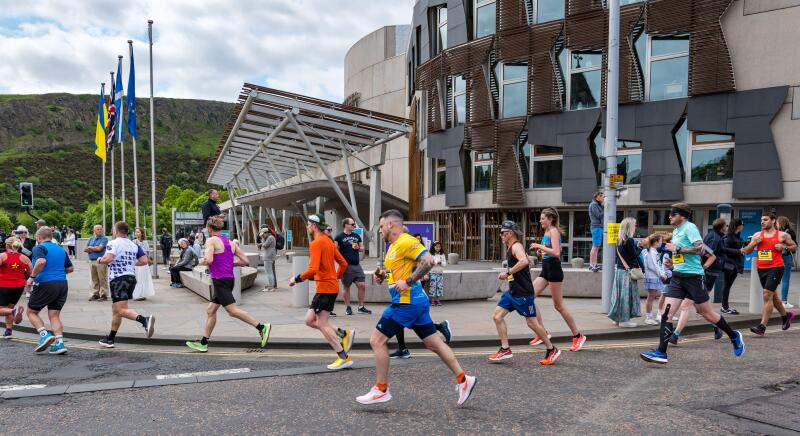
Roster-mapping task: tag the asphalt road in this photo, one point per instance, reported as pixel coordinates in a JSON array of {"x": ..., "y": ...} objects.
[{"x": 603, "y": 390}]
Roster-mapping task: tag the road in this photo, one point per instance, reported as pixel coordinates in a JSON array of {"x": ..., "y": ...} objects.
[{"x": 605, "y": 389}]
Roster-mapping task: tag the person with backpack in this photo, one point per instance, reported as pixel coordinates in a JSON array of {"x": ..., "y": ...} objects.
[{"x": 166, "y": 245}]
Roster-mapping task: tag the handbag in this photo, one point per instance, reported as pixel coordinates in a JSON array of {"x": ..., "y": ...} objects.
[{"x": 636, "y": 274}]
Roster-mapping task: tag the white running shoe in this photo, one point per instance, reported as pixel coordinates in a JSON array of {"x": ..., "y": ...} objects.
[
  {"x": 650, "y": 321},
  {"x": 465, "y": 389},
  {"x": 628, "y": 324},
  {"x": 788, "y": 305},
  {"x": 151, "y": 326},
  {"x": 375, "y": 396}
]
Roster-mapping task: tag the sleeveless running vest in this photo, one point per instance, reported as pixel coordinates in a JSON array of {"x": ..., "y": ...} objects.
[
  {"x": 547, "y": 243},
  {"x": 766, "y": 254},
  {"x": 12, "y": 272},
  {"x": 519, "y": 283},
  {"x": 222, "y": 266}
]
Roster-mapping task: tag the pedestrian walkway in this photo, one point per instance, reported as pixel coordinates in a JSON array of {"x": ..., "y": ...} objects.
[{"x": 182, "y": 314}]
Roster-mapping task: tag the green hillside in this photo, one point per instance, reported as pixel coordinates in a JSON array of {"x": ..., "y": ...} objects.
[{"x": 49, "y": 140}]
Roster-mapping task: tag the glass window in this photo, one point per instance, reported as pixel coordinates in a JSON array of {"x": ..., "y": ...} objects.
[
  {"x": 515, "y": 71},
  {"x": 712, "y": 164},
  {"x": 661, "y": 217},
  {"x": 669, "y": 45},
  {"x": 549, "y": 10},
  {"x": 628, "y": 2},
  {"x": 440, "y": 168},
  {"x": 630, "y": 165},
  {"x": 485, "y": 21},
  {"x": 514, "y": 90},
  {"x": 547, "y": 150},
  {"x": 586, "y": 59},
  {"x": 547, "y": 173},
  {"x": 682, "y": 145},
  {"x": 525, "y": 164},
  {"x": 458, "y": 87},
  {"x": 585, "y": 80},
  {"x": 439, "y": 32},
  {"x": 461, "y": 109},
  {"x": 668, "y": 71},
  {"x": 482, "y": 174},
  {"x": 712, "y": 138}
]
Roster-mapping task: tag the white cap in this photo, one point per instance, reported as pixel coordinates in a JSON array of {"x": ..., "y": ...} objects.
[{"x": 21, "y": 229}]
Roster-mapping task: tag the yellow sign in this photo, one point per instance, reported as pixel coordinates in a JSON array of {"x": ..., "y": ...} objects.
[
  {"x": 616, "y": 179},
  {"x": 613, "y": 232}
]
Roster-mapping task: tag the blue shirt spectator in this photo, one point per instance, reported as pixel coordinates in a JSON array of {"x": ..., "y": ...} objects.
[{"x": 97, "y": 241}]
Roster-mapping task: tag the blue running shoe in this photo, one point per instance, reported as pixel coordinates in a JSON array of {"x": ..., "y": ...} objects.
[
  {"x": 738, "y": 344},
  {"x": 44, "y": 342},
  {"x": 717, "y": 333},
  {"x": 446, "y": 331},
  {"x": 58, "y": 349},
  {"x": 654, "y": 356},
  {"x": 401, "y": 354}
]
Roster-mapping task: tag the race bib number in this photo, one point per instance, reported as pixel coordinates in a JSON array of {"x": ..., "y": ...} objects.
[
  {"x": 764, "y": 254},
  {"x": 510, "y": 277},
  {"x": 677, "y": 259},
  {"x": 389, "y": 278}
]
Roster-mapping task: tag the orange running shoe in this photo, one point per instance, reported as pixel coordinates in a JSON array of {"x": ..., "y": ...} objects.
[
  {"x": 550, "y": 357},
  {"x": 501, "y": 354},
  {"x": 577, "y": 343},
  {"x": 537, "y": 340}
]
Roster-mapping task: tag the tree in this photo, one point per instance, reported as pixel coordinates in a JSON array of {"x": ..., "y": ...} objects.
[
  {"x": 26, "y": 220},
  {"x": 53, "y": 218},
  {"x": 5, "y": 222}
]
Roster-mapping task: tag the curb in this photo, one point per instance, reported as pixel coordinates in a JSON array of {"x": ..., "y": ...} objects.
[{"x": 362, "y": 343}]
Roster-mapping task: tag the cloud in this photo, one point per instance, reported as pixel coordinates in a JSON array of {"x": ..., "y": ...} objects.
[{"x": 202, "y": 49}]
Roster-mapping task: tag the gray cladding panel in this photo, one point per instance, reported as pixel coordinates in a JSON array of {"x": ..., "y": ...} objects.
[
  {"x": 456, "y": 23},
  {"x": 447, "y": 145}
]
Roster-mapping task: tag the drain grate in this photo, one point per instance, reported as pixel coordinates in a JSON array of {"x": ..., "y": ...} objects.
[{"x": 256, "y": 350}]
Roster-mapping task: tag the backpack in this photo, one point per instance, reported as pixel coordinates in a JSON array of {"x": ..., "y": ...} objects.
[{"x": 279, "y": 241}]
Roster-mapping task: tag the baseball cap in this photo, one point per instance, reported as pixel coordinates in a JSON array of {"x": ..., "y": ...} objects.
[
  {"x": 510, "y": 225},
  {"x": 318, "y": 219},
  {"x": 22, "y": 229},
  {"x": 41, "y": 222}
]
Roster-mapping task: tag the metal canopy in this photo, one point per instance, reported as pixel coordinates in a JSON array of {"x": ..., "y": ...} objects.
[{"x": 277, "y": 134}]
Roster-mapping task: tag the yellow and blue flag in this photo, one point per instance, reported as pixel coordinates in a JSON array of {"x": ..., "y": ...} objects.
[{"x": 100, "y": 131}]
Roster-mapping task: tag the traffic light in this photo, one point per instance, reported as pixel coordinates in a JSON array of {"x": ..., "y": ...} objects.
[{"x": 26, "y": 194}]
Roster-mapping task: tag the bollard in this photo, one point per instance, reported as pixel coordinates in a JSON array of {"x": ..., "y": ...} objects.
[
  {"x": 237, "y": 285},
  {"x": 300, "y": 290},
  {"x": 756, "y": 293}
]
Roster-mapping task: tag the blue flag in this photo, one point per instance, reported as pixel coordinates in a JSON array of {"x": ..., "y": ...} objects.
[
  {"x": 118, "y": 101},
  {"x": 132, "y": 98}
]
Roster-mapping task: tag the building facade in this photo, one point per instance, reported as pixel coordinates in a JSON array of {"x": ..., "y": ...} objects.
[{"x": 509, "y": 96}]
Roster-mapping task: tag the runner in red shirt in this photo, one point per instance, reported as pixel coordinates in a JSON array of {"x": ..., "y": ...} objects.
[{"x": 14, "y": 268}]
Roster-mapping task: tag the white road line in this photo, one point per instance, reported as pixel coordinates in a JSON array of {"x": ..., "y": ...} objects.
[
  {"x": 20, "y": 387},
  {"x": 203, "y": 373}
]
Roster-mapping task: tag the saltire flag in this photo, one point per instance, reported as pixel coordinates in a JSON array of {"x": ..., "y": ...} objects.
[
  {"x": 118, "y": 102},
  {"x": 111, "y": 121},
  {"x": 131, "y": 102},
  {"x": 100, "y": 130}
]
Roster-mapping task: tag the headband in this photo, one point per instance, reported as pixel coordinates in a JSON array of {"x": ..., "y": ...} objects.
[{"x": 680, "y": 211}]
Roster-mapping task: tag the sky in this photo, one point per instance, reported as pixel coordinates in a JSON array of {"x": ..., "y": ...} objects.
[{"x": 202, "y": 49}]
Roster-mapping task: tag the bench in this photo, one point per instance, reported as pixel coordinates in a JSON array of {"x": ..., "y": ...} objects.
[{"x": 200, "y": 283}]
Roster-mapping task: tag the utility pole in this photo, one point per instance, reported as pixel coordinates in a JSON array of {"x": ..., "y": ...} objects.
[{"x": 610, "y": 151}]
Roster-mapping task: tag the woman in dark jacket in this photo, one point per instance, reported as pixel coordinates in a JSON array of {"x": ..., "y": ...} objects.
[
  {"x": 625, "y": 302},
  {"x": 734, "y": 261},
  {"x": 186, "y": 262}
]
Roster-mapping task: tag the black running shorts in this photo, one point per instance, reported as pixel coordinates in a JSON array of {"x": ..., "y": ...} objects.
[
  {"x": 323, "y": 302},
  {"x": 770, "y": 278},
  {"x": 121, "y": 288},
  {"x": 223, "y": 291},
  {"x": 551, "y": 270},
  {"x": 51, "y": 295},
  {"x": 689, "y": 286},
  {"x": 9, "y": 296}
]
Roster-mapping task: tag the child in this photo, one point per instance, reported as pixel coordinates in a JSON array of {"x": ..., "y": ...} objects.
[
  {"x": 653, "y": 275},
  {"x": 666, "y": 261},
  {"x": 436, "y": 286}
]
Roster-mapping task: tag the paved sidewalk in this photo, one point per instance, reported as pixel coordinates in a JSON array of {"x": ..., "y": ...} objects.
[{"x": 181, "y": 313}]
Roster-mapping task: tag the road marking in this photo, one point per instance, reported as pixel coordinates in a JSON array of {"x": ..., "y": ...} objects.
[
  {"x": 20, "y": 387},
  {"x": 203, "y": 373}
]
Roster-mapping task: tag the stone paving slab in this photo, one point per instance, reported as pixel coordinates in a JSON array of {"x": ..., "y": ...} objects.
[{"x": 181, "y": 314}]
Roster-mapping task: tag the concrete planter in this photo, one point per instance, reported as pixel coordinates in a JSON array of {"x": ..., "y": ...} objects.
[
  {"x": 453, "y": 258},
  {"x": 577, "y": 262}
]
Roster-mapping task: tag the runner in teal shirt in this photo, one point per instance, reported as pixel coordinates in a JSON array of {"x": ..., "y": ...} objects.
[{"x": 684, "y": 236}]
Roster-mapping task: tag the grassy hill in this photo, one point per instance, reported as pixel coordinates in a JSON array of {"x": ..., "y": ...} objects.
[{"x": 49, "y": 140}]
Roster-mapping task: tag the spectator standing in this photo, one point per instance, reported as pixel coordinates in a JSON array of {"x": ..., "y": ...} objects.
[
  {"x": 596, "y": 224},
  {"x": 144, "y": 280},
  {"x": 268, "y": 255},
  {"x": 96, "y": 248},
  {"x": 27, "y": 243},
  {"x": 734, "y": 262},
  {"x": 166, "y": 245},
  {"x": 186, "y": 262},
  {"x": 654, "y": 276},
  {"x": 70, "y": 243},
  {"x": 58, "y": 237},
  {"x": 786, "y": 226},
  {"x": 351, "y": 246},
  {"x": 209, "y": 207},
  {"x": 436, "y": 286},
  {"x": 625, "y": 302}
]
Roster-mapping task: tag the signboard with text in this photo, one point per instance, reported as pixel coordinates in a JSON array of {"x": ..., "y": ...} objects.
[{"x": 613, "y": 232}]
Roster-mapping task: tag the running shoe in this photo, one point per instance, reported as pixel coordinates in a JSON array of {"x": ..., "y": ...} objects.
[
  {"x": 44, "y": 342},
  {"x": 738, "y": 344},
  {"x": 537, "y": 340},
  {"x": 654, "y": 356},
  {"x": 375, "y": 396},
  {"x": 18, "y": 314},
  {"x": 332, "y": 314},
  {"x": 651, "y": 321},
  {"x": 58, "y": 349},
  {"x": 340, "y": 363},
  {"x": 8, "y": 334},
  {"x": 364, "y": 311},
  {"x": 674, "y": 339},
  {"x": 346, "y": 341},
  {"x": 550, "y": 357},
  {"x": 788, "y": 322},
  {"x": 759, "y": 330},
  {"x": 150, "y": 327},
  {"x": 197, "y": 346},
  {"x": 465, "y": 389},
  {"x": 717, "y": 333},
  {"x": 726, "y": 311},
  {"x": 577, "y": 343},
  {"x": 733, "y": 311},
  {"x": 108, "y": 343},
  {"x": 447, "y": 332},
  {"x": 348, "y": 311},
  {"x": 401, "y": 354},
  {"x": 264, "y": 333},
  {"x": 788, "y": 305},
  {"x": 501, "y": 354}
]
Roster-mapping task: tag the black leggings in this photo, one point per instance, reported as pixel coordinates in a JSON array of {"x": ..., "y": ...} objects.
[
  {"x": 730, "y": 277},
  {"x": 401, "y": 336}
]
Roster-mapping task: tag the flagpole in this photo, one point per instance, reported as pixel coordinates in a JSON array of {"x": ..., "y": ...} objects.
[
  {"x": 121, "y": 136},
  {"x": 133, "y": 140},
  {"x": 152, "y": 155},
  {"x": 113, "y": 192},
  {"x": 103, "y": 162}
]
